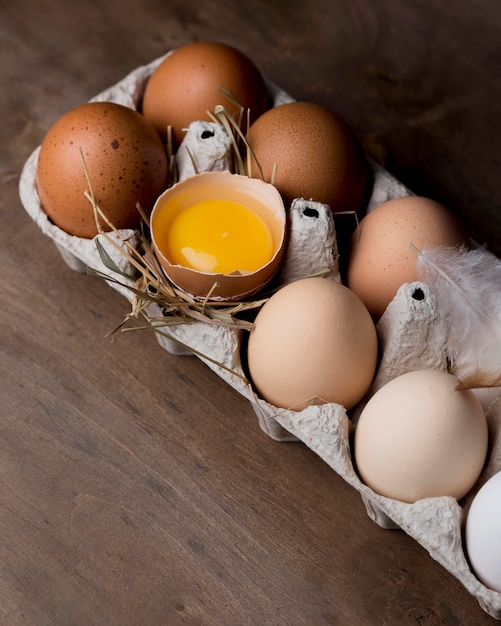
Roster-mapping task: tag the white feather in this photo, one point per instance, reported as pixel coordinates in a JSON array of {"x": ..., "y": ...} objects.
[{"x": 467, "y": 286}]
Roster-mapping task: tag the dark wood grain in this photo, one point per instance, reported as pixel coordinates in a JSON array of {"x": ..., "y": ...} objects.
[{"x": 136, "y": 488}]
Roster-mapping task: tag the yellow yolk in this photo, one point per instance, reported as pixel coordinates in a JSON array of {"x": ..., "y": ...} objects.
[{"x": 219, "y": 236}]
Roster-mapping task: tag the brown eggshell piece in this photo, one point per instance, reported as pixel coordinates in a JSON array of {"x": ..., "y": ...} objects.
[
  {"x": 125, "y": 159},
  {"x": 187, "y": 84},
  {"x": 317, "y": 154},
  {"x": 261, "y": 197},
  {"x": 381, "y": 259}
]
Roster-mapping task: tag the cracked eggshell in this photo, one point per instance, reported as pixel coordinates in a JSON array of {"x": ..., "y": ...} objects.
[{"x": 261, "y": 197}]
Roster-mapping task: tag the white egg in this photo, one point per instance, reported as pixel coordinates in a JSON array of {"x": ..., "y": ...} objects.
[{"x": 483, "y": 533}]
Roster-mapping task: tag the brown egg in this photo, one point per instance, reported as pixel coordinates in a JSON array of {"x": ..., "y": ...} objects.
[
  {"x": 381, "y": 259},
  {"x": 125, "y": 159},
  {"x": 187, "y": 84},
  {"x": 318, "y": 156}
]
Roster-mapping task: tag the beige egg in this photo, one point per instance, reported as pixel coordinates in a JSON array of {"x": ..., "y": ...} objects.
[
  {"x": 125, "y": 161},
  {"x": 418, "y": 437},
  {"x": 317, "y": 155},
  {"x": 312, "y": 342},
  {"x": 381, "y": 259}
]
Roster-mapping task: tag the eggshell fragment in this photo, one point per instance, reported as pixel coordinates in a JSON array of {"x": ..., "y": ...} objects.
[
  {"x": 125, "y": 161},
  {"x": 419, "y": 437},
  {"x": 380, "y": 257},
  {"x": 312, "y": 342},
  {"x": 316, "y": 153}
]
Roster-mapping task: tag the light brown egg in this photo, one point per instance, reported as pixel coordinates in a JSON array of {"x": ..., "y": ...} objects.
[
  {"x": 317, "y": 155},
  {"x": 312, "y": 342},
  {"x": 125, "y": 159},
  {"x": 380, "y": 258},
  {"x": 187, "y": 84}
]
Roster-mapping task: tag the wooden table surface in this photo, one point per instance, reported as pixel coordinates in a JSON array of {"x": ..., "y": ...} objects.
[{"x": 137, "y": 487}]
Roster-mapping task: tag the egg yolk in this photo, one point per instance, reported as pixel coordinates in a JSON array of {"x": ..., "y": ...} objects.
[{"x": 220, "y": 236}]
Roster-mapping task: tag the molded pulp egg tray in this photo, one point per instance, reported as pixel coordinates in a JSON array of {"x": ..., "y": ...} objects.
[{"x": 409, "y": 336}]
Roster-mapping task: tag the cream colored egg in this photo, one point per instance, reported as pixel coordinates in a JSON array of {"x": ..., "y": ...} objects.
[
  {"x": 419, "y": 437},
  {"x": 312, "y": 342}
]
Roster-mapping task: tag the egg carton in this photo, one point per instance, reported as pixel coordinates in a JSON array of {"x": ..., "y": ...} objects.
[{"x": 409, "y": 333}]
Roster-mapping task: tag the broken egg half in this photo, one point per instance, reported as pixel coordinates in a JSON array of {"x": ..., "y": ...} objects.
[{"x": 219, "y": 235}]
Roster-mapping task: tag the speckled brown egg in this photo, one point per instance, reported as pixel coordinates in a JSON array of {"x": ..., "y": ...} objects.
[
  {"x": 381, "y": 259},
  {"x": 125, "y": 159},
  {"x": 317, "y": 155},
  {"x": 191, "y": 81}
]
